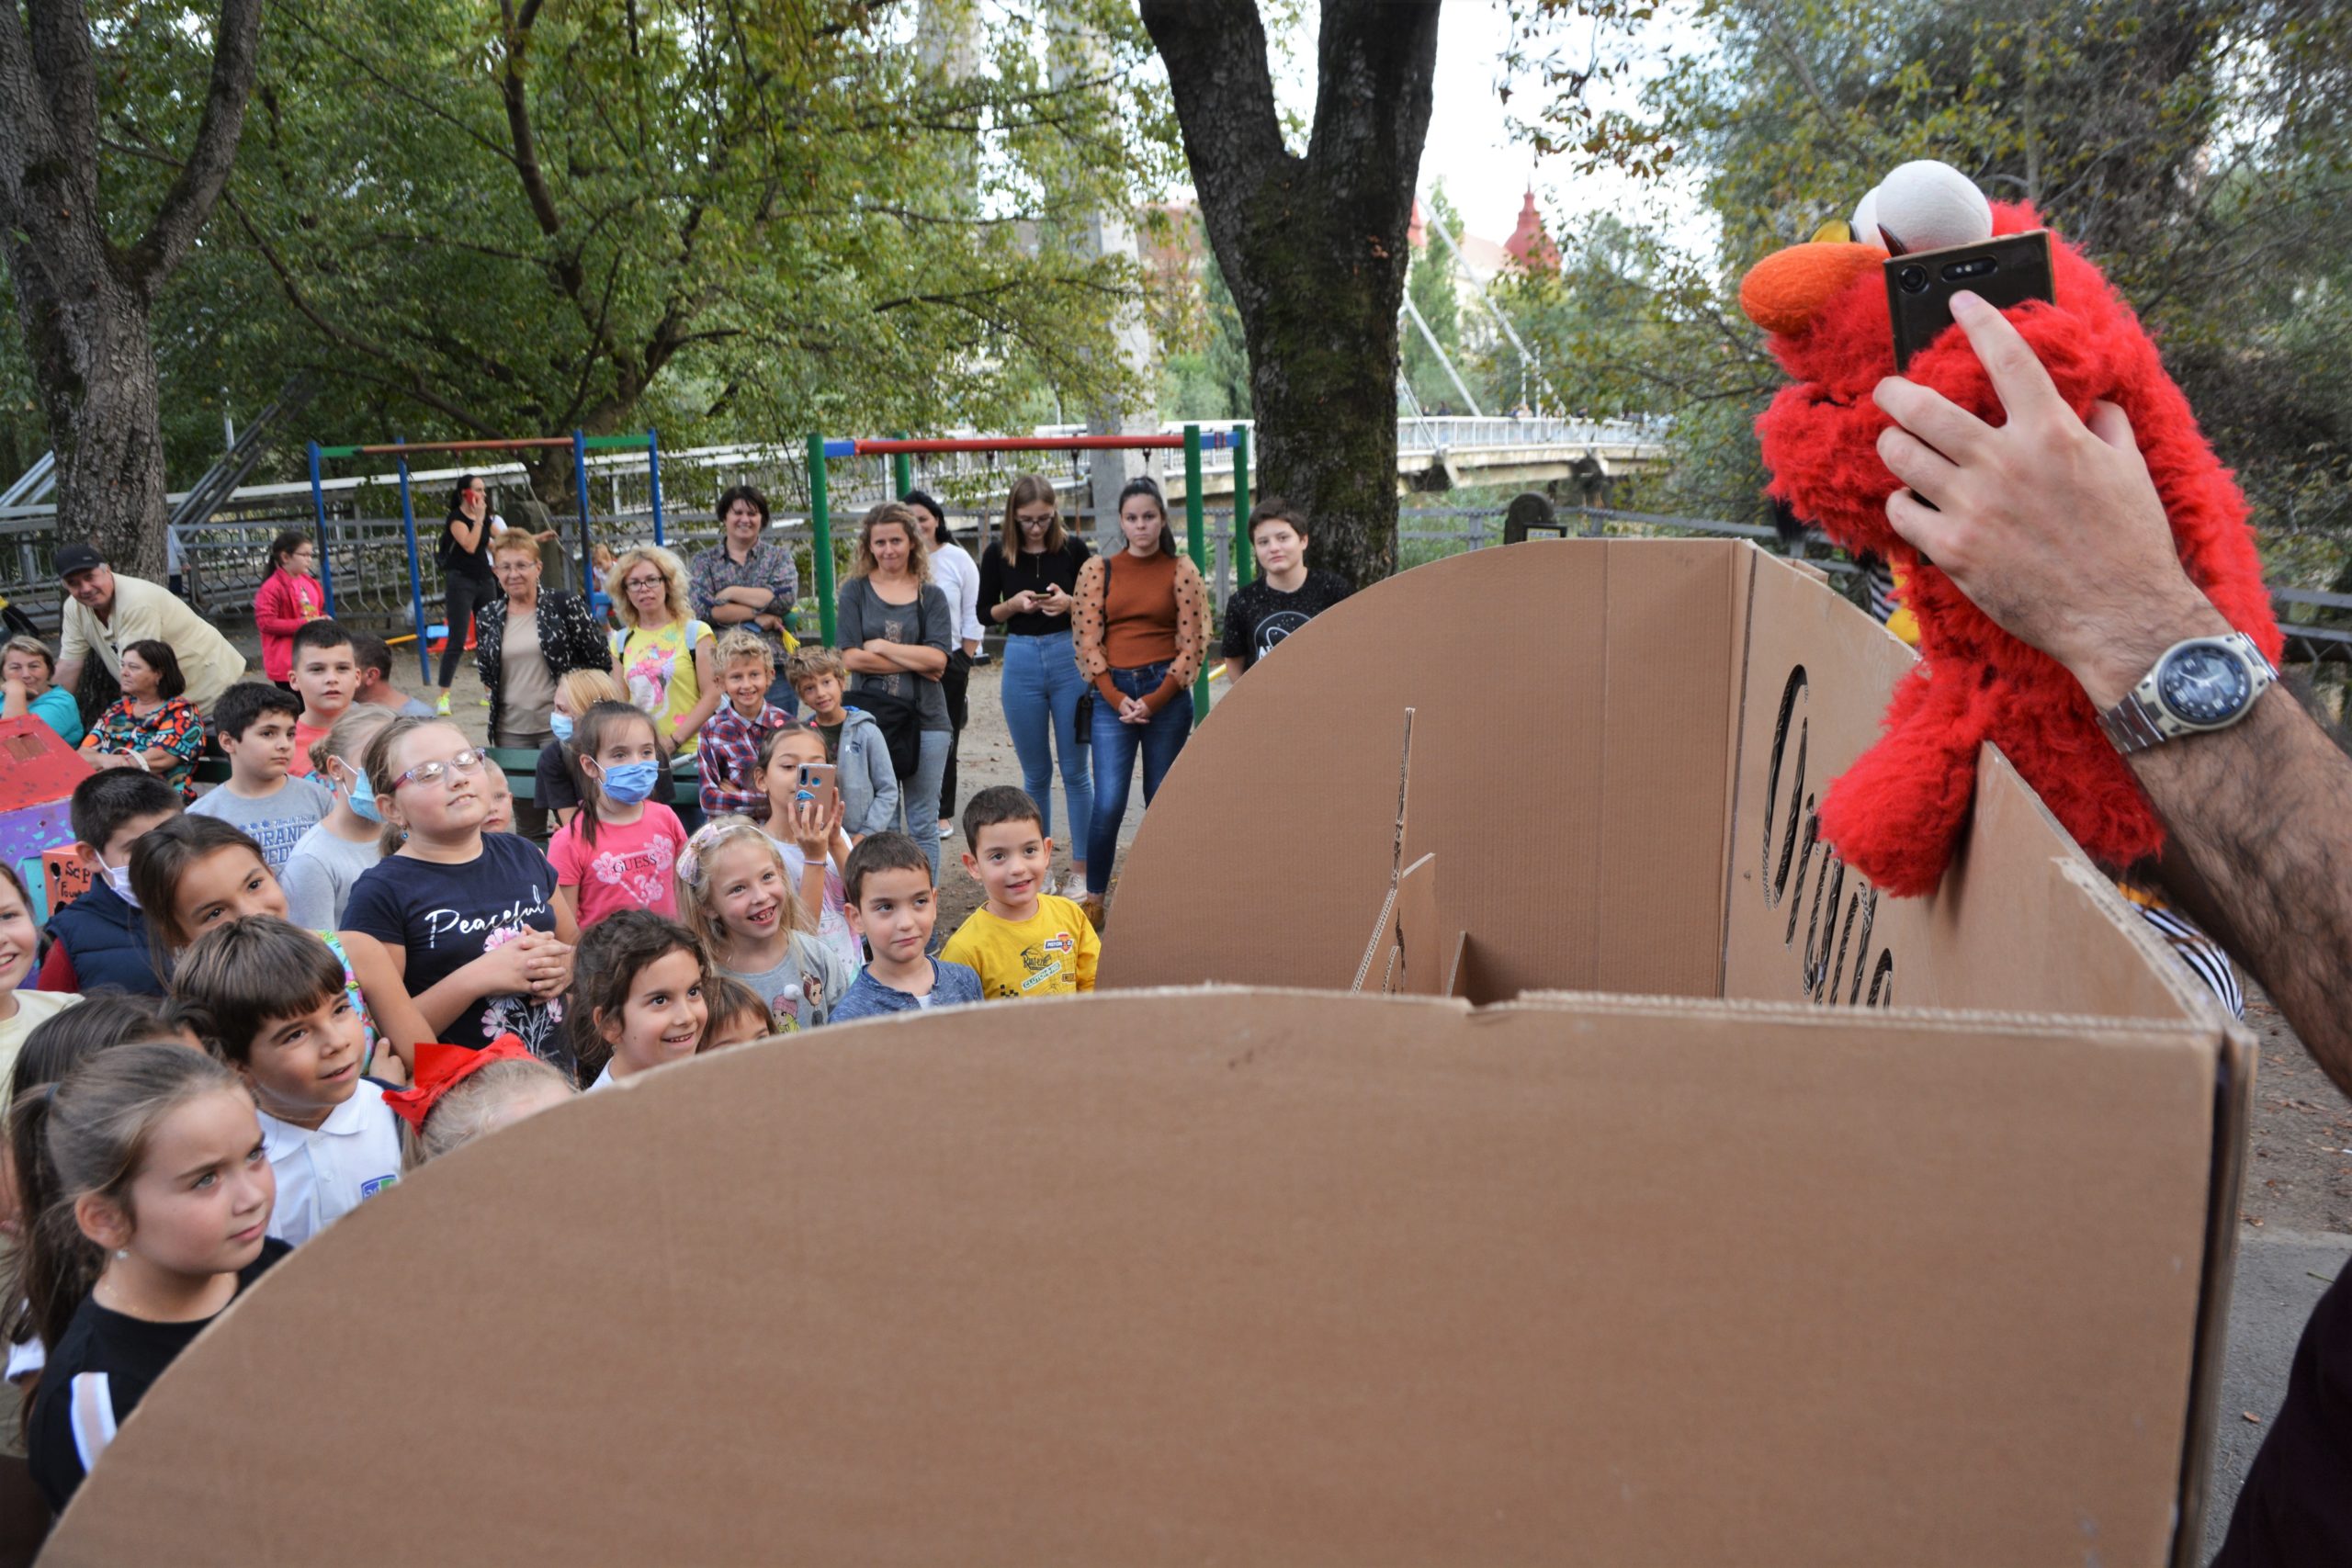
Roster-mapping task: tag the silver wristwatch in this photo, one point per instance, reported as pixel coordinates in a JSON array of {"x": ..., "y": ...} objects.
[{"x": 2204, "y": 685}]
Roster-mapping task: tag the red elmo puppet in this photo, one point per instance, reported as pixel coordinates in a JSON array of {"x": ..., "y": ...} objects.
[{"x": 1899, "y": 813}]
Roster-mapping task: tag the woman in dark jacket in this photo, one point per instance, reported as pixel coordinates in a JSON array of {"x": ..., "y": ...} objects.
[
  {"x": 466, "y": 580},
  {"x": 529, "y": 640}
]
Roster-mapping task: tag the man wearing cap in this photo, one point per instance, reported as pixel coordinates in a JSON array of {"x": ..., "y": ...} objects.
[{"x": 108, "y": 613}]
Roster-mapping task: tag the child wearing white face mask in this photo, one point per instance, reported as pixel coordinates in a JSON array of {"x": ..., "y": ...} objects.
[
  {"x": 329, "y": 858},
  {"x": 620, "y": 852},
  {"x": 101, "y": 938}
]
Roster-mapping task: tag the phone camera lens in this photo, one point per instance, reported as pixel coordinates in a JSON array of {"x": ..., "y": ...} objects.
[{"x": 1913, "y": 279}]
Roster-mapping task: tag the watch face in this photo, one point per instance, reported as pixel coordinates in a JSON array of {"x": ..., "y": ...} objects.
[{"x": 2202, "y": 685}]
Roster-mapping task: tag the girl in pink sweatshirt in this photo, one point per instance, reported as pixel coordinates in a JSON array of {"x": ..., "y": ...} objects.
[{"x": 289, "y": 595}]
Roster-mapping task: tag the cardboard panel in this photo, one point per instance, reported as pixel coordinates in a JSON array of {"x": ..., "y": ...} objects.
[
  {"x": 1673, "y": 676},
  {"x": 1543, "y": 741},
  {"x": 1246, "y": 1278},
  {"x": 2023, "y": 921}
]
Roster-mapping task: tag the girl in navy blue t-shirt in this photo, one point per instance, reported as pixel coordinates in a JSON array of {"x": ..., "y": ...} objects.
[{"x": 457, "y": 930}]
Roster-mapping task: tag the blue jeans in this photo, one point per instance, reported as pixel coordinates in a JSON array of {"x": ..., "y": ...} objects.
[
  {"x": 1115, "y": 745},
  {"x": 918, "y": 796},
  {"x": 1042, "y": 685}
]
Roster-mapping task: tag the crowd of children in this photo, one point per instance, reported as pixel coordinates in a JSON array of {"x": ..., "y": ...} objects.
[{"x": 271, "y": 1003}]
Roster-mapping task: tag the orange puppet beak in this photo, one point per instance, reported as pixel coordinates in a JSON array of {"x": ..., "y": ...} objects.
[{"x": 1784, "y": 292}]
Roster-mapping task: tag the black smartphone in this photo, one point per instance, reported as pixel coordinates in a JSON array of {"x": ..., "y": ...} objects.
[{"x": 2005, "y": 270}]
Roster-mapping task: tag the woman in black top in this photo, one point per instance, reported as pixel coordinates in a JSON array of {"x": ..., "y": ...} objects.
[
  {"x": 1026, "y": 582},
  {"x": 467, "y": 580}
]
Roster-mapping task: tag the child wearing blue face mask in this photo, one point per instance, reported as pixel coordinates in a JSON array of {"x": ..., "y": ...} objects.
[
  {"x": 621, "y": 851},
  {"x": 575, "y": 693},
  {"x": 328, "y": 859}
]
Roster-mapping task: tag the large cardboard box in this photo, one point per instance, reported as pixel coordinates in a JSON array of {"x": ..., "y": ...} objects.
[{"x": 1713, "y": 1274}]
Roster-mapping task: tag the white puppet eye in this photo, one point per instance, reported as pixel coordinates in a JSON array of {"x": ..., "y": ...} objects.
[{"x": 1925, "y": 206}]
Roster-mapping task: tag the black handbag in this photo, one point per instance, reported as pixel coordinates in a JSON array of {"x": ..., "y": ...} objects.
[{"x": 899, "y": 718}]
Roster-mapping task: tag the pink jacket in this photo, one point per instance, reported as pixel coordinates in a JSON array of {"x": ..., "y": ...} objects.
[{"x": 284, "y": 602}]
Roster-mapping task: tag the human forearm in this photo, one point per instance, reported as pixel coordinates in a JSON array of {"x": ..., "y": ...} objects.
[
  {"x": 2261, "y": 815},
  {"x": 862, "y": 661}
]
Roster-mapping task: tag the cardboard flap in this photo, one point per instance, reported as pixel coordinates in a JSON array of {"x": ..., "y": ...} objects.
[
  {"x": 1243, "y": 1277},
  {"x": 1572, "y": 715},
  {"x": 2023, "y": 921}
]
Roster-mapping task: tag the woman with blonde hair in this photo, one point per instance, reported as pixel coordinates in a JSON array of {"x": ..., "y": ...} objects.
[
  {"x": 1027, "y": 583},
  {"x": 665, "y": 657},
  {"x": 893, "y": 628}
]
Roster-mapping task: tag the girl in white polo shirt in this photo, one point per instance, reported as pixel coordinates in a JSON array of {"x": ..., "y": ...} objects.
[{"x": 269, "y": 999}]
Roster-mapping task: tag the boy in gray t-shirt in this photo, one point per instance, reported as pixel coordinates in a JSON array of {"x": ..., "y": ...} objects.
[{"x": 256, "y": 725}]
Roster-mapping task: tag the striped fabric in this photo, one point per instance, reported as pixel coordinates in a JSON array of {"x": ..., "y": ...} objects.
[{"x": 2191, "y": 946}]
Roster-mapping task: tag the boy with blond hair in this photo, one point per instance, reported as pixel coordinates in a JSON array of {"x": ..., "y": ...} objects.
[
  {"x": 1024, "y": 942},
  {"x": 729, "y": 754}
]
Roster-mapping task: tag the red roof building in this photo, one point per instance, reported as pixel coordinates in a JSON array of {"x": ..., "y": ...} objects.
[{"x": 1529, "y": 246}]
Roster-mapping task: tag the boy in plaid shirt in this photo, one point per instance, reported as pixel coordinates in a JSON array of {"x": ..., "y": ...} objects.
[{"x": 730, "y": 753}]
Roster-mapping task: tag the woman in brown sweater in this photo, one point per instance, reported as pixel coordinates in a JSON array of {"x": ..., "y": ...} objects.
[{"x": 1140, "y": 628}]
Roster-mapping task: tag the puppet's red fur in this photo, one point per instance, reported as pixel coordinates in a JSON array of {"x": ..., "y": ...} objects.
[{"x": 1898, "y": 813}]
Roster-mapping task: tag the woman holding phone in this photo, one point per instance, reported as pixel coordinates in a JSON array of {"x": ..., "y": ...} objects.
[{"x": 1028, "y": 580}]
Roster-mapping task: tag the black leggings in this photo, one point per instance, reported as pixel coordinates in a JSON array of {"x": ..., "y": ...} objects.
[
  {"x": 461, "y": 594},
  {"x": 955, "y": 686}
]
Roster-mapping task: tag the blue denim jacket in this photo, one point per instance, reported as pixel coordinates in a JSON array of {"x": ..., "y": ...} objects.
[{"x": 952, "y": 984}]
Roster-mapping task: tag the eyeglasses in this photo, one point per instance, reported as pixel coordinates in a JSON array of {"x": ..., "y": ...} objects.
[
  {"x": 1033, "y": 520},
  {"x": 511, "y": 563},
  {"x": 466, "y": 763},
  {"x": 634, "y": 583}
]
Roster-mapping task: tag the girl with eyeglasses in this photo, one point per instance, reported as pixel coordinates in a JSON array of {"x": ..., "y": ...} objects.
[{"x": 457, "y": 934}]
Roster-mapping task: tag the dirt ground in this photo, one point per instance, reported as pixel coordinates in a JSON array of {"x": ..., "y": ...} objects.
[{"x": 2299, "y": 1178}]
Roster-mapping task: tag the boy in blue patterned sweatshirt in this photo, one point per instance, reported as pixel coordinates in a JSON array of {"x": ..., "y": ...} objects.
[{"x": 890, "y": 905}]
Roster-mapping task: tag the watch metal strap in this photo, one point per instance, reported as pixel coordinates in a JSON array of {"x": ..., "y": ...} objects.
[{"x": 2131, "y": 727}]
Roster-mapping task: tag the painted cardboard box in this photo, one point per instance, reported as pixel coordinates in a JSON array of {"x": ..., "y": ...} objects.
[
  {"x": 1630, "y": 1229},
  {"x": 38, "y": 773}
]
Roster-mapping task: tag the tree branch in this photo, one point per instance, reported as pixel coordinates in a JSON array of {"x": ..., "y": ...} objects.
[{"x": 236, "y": 38}]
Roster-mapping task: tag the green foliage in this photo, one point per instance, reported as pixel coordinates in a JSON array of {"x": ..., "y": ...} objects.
[
  {"x": 2196, "y": 149},
  {"x": 733, "y": 221},
  {"x": 1204, "y": 366}
]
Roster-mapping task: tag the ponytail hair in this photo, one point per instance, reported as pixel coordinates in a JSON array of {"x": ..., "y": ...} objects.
[{"x": 85, "y": 1134}]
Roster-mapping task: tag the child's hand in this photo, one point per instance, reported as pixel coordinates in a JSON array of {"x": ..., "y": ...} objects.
[
  {"x": 551, "y": 968},
  {"x": 812, "y": 827}
]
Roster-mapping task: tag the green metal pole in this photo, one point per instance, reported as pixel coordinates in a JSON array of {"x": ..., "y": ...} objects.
[
  {"x": 1245, "y": 559},
  {"x": 1196, "y": 544},
  {"x": 903, "y": 470},
  {"x": 820, "y": 537}
]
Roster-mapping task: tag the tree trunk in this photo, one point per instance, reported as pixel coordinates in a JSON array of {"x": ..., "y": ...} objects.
[
  {"x": 94, "y": 364},
  {"x": 83, "y": 300},
  {"x": 1313, "y": 248}
]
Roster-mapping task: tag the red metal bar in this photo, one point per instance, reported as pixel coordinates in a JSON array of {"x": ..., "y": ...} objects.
[
  {"x": 1023, "y": 444},
  {"x": 398, "y": 447}
]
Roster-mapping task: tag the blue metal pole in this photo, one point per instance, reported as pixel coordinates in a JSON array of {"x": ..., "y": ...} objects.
[
  {"x": 319, "y": 510},
  {"x": 653, "y": 467},
  {"x": 416, "y": 579},
  {"x": 580, "y": 480}
]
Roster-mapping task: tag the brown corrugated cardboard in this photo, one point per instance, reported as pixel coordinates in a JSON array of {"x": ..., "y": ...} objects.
[
  {"x": 1715, "y": 1274},
  {"x": 1245, "y": 1277}
]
